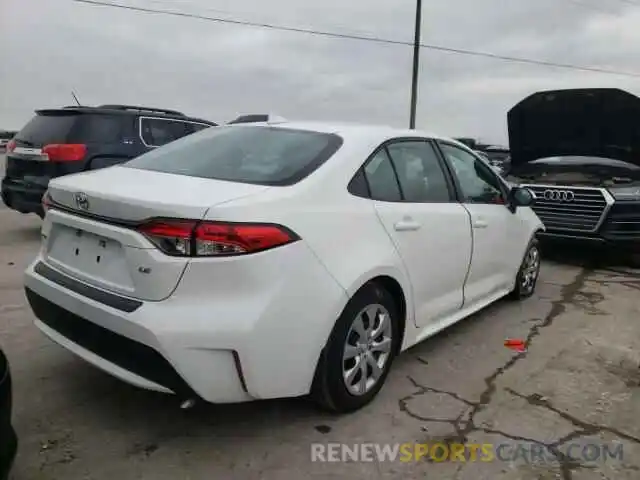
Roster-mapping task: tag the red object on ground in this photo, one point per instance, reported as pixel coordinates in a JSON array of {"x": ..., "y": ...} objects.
[{"x": 516, "y": 344}]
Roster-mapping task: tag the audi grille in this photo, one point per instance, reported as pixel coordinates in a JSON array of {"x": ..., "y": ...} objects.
[{"x": 570, "y": 208}]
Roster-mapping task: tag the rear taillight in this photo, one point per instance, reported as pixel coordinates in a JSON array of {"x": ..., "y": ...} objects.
[
  {"x": 11, "y": 146},
  {"x": 211, "y": 239},
  {"x": 173, "y": 237},
  {"x": 65, "y": 152}
]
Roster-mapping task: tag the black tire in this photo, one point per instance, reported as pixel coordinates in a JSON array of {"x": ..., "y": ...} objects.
[
  {"x": 522, "y": 288},
  {"x": 329, "y": 388}
]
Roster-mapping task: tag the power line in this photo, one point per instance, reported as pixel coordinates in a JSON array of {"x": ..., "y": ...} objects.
[
  {"x": 227, "y": 13},
  {"x": 367, "y": 38}
]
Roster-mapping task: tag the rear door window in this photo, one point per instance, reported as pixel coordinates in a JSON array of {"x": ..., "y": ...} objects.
[
  {"x": 156, "y": 132},
  {"x": 45, "y": 129},
  {"x": 381, "y": 178},
  {"x": 246, "y": 154}
]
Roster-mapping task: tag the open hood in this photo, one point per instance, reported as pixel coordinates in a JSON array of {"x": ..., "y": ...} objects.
[{"x": 594, "y": 122}]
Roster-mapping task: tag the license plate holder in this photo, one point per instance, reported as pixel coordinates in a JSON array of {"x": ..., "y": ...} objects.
[
  {"x": 89, "y": 247},
  {"x": 87, "y": 254}
]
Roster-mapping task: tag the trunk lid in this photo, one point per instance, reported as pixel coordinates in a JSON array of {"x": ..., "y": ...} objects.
[
  {"x": 92, "y": 236},
  {"x": 134, "y": 195},
  {"x": 595, "y": 122}
]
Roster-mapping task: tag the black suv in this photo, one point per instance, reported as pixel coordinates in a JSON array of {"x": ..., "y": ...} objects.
[
  {"x": 69, "y": 140},
  {"x": 579, "y": 151}
]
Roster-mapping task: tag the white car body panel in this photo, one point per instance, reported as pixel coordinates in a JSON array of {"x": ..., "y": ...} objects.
[
  {"x": 271, "y": 311},
  {"x": 417, "y": 231},
  {"x": 495, "y": 253}
]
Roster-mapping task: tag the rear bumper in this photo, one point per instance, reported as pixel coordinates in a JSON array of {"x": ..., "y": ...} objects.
[
  {"x": 25, "y": 198},
  {"x": 131, "y": 352},
  {"x": 204, "y": 341}
]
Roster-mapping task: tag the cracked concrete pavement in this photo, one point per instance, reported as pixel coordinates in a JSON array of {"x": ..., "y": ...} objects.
[{"x": 577, "y": 383}]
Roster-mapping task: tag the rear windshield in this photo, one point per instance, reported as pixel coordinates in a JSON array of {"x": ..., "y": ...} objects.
[
  {"x": 67, "y": 127},
  {"x": 247, "y": 154},
  {"x": 44, "y": 129}
]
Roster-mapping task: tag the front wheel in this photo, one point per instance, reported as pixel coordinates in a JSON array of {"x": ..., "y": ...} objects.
[
  {"x": 527, "y": 277},
  {"x": 356, "y": 360}
]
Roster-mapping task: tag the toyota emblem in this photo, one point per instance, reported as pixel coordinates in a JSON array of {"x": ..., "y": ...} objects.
[
  {"x": 559, "y": 195},
  {"x": 82, "y": 202}
]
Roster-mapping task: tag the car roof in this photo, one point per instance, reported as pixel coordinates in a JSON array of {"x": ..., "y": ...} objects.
[
  {"x": 136, "y": 111},
  {"x": 346, "y": 130}
]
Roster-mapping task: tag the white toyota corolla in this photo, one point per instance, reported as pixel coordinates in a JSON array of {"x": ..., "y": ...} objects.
[{"x": 275, "y": 260}]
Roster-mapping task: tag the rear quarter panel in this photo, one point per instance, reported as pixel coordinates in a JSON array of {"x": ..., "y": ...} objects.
[{"x": 343, "y": 232}]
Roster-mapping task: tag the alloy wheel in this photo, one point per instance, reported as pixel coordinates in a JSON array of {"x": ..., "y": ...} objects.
[
  {"x": 367, "y": 349},
  {"x": 530, "y": 270}
]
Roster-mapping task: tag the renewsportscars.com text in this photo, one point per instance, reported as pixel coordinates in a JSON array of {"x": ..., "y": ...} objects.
[{"x": 471, "y": 452}]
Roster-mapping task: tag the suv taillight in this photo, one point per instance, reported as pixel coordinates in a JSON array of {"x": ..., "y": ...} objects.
[
  {"x": 11, "y": 146},
  {"x": 65, "y": 152},
  {"x": 187, "y": 238}
]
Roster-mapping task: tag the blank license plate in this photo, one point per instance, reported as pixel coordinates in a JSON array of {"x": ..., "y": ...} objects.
[{"x": 89, "y": 254}]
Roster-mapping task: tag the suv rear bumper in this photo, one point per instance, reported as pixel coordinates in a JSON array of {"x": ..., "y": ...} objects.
[{"x": 22, "y": 197}]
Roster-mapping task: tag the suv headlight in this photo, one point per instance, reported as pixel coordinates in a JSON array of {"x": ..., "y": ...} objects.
[{"x": 626, "y": 193}]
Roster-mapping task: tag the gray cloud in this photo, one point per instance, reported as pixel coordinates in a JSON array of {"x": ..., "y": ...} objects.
[{"x": 217, "y": 71}]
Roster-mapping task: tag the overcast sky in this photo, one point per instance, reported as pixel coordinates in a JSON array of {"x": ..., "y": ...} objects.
[{"x": 217, "y": 71}]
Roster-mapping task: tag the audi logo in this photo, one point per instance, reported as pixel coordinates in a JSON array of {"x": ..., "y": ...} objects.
[{"x": 559, "y": 195}]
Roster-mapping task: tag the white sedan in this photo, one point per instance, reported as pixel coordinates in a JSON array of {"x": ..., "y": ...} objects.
[{"x": 276, "y": 260}]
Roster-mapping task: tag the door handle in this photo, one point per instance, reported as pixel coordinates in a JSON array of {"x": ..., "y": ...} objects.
[
  {"x": 407, "y": 225},
  {"x": 480, "y": 224}
]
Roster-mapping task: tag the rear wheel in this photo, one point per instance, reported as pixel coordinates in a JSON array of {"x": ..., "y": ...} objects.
[
  {"x": 527, "y": 277},
  {"x": 356, "y": 360}
]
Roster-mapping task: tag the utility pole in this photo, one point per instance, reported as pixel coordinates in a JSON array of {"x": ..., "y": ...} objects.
[{"x": 416, "y": 65}]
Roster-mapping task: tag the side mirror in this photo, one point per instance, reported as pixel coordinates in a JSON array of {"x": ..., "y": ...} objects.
[{"x": 521, "y": 197}]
